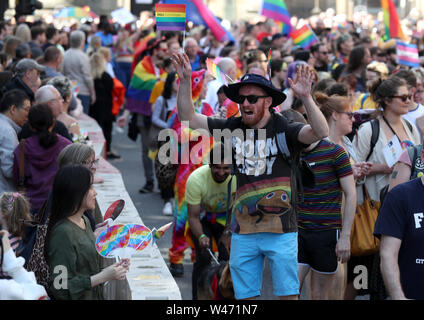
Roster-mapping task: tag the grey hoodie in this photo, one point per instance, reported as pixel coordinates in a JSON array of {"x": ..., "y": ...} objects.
[{"x": 8, "y": 142}]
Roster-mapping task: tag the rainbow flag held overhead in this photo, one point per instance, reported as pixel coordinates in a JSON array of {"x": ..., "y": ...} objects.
[
  {"x": 214, "y": 70},
  {"x": 277, "y": 10},
  {"x": 170, "y": 17},
  {"x": 284, "y": 28},
  {"x": 407, "y": 54},
  {"x": 200, "y": 14},
  {"x": 304, "y": 37},
  {"x": 391, "y": 21}
]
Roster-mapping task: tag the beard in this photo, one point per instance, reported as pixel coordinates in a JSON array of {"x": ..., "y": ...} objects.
[{"x": 253, "y": 118}]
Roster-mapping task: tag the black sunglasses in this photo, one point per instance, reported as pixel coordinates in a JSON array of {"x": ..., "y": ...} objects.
[
  {"x": 251, "y": 98},
  {"x": 404, "y": 97}
]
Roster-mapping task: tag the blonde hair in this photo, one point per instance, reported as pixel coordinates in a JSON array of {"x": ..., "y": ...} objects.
[
  {"x": 105, "y": 52},
  {"x": 10, "y": 45},
  {"x": 23, "y": 32},
  {"x": 98, "y": 65},
  {"x": 16, "y": 210}
]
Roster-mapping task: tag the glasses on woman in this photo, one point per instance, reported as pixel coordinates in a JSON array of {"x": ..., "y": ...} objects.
[
  {"x": 403, "y": 97},
  {"x": 91, "y": 164},
  {"x": 349, "y": 114}
]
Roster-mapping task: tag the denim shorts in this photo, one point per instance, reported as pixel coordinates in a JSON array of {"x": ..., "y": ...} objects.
[{"x": 247, "y": 255}]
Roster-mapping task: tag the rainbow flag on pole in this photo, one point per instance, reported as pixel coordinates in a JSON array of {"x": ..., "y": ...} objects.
[
  {"x": 391, "y": 21},
  {"x": 170, "y": 17},
  {"x": 304, "y": 37},
  {"x": 407, "y": 54}
]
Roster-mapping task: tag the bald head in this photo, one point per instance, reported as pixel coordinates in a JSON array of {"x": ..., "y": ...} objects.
[{"x": 191, "y": 48}]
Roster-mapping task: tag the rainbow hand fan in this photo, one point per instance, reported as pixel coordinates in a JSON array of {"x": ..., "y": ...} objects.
[{"x": 111, "y": 242}]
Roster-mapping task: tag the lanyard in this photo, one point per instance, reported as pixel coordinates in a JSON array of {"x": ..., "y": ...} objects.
[{"x": 387, "y": 122}]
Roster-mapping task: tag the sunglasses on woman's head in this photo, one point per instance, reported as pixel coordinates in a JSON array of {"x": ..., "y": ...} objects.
[
  {"x": 250, "y": 98},
  {"x": 403, "y": 97}
]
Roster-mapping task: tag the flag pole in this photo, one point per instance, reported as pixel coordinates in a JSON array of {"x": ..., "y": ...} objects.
[{"x": 184, "y": 32}]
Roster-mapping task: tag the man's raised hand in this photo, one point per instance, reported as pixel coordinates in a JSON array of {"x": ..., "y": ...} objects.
[
  {"x": 303, "y": 81},
  {"x": 182, "y": 66}
]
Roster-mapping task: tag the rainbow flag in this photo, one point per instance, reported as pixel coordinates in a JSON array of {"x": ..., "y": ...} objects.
[
  {"x": 407, "y": 54},
  {"x": 269, "y": 64},
  {"x": 283, "y": 27},
  {"x": 199, "y": 14},
  {"x": 304, "y": 37},
  {"x": 214, "y": 70},
  {"x": 277, "y": 10},
  {"x": 391, "y": 21},
  {"x": 170, "y": 17},
  {"x": 143, "y": 82}
]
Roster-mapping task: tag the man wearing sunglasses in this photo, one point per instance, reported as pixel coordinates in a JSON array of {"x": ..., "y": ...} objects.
[
  {"x": 321, "y": 57},
  {"x": 263, "y": 221}
]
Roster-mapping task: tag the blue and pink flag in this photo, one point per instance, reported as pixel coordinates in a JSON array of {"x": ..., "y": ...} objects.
[{"x": 407, "y": 54}]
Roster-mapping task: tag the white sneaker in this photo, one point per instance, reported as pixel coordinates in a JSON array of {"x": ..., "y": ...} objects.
[{"x": 167, "y": 209}]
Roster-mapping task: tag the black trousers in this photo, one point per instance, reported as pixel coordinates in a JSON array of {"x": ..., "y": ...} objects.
[
  {"x": 107, "y": 132},
  {"x": 203, "y": 257}
]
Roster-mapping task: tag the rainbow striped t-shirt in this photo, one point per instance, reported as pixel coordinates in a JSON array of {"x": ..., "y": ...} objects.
[{"x": 321, "y": 209}]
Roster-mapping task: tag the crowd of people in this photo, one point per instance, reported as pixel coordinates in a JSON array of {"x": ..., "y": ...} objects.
[{"x": 291, "y": 195}]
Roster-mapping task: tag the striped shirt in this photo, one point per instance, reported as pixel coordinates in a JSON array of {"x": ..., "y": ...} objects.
[{"x": 321, "y": 209}]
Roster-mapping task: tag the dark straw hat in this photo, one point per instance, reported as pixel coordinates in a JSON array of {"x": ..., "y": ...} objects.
[{"x": 232, "y": 90}]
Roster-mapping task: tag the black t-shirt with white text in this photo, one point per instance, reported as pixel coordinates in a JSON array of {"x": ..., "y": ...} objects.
[{"x": 402, "y": 217}]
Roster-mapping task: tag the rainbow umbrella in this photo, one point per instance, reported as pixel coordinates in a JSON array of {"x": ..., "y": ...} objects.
[{"x": 75, "y": 12}]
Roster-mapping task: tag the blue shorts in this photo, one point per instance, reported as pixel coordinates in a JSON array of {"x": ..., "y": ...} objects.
[{"x": 247, "y": 263}]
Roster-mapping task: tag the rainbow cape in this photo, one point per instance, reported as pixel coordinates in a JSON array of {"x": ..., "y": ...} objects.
[
  {"x": 184, "y": 170},
  {"x": 142, "y": 84},
  {"x": 391, "y": 21}
]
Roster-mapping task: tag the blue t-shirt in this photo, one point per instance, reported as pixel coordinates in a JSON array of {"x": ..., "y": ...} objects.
[{"x": 402, "y": 217}]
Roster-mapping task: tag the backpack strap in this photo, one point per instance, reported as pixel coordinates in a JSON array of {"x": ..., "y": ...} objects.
[
  {"x": 375, "y": 129},
  {"x": 414, "y": 152},
  {"x": 288, "y": 157}
]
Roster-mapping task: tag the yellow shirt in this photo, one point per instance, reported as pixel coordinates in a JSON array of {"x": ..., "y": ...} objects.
[
  {"x": 202, "y": 189},
  {"x": 364, "y": 101}
]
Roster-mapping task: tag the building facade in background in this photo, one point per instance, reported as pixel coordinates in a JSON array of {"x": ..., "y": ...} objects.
[{"x": 239, "y": 9}]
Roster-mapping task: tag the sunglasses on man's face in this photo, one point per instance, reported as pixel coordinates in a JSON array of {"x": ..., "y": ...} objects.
[{"x": 250, "y": 98}]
